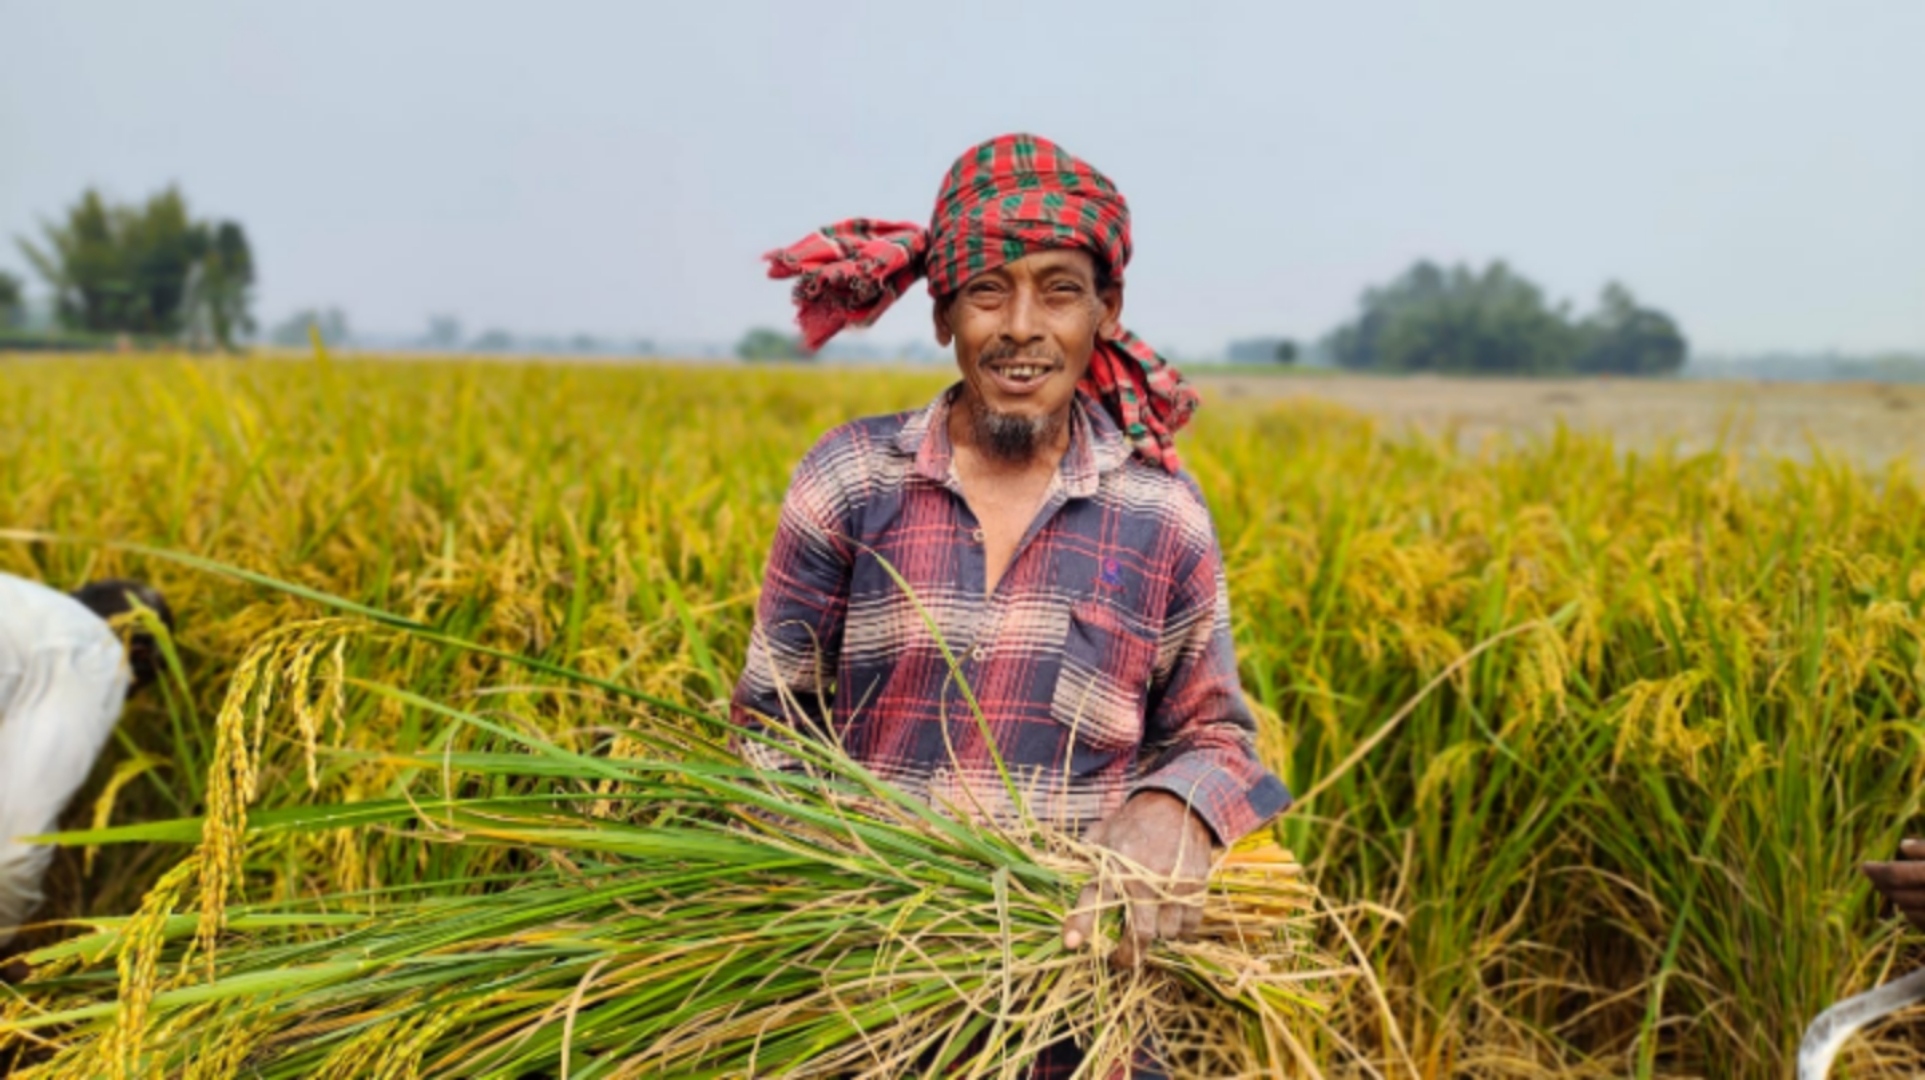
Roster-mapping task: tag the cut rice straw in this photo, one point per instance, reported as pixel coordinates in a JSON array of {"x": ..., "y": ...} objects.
[{"x": 673, "y": 912}]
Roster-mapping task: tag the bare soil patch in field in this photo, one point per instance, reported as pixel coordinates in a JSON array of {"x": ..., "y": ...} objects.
[{"x": 1874, "y": 422}]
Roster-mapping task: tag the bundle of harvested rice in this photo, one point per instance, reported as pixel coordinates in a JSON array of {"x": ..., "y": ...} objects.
[
  {"x": 689, "y": 918},
  {"x": 639, "y": 902}
]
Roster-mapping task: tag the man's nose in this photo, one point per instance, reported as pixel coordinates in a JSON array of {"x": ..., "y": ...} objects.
[{"x": 1024, "y": 317}]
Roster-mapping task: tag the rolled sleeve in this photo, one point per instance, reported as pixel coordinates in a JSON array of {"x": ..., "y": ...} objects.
[{"x": 1200, "y": 737}]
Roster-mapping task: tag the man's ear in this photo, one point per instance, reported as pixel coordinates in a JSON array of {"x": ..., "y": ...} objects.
[
  {"x": 944, "y": 335},
  {"x": 1112, "y": 301}
]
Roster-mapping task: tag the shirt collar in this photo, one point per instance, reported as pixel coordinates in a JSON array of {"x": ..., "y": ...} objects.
[{"x": 1096, "y": 444}]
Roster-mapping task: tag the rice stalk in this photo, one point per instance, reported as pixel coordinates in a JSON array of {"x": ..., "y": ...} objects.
[
  {"x": 719, "y": 922},
  {"x": 1538, "y": 885}
]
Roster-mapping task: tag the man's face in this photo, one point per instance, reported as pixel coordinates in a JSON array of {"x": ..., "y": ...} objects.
[{"x": 1024, "y": 333}]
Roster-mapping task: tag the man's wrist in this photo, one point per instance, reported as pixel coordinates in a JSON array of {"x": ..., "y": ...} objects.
[{"x": 1189, "y": 807}]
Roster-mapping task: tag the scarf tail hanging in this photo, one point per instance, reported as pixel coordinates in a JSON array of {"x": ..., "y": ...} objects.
[{"x": 849, "y": 273}]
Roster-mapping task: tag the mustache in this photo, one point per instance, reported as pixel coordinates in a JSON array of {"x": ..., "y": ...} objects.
[{"x": 1011, "y": 351}]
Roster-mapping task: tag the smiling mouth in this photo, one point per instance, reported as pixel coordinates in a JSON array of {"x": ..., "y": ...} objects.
[{"x": 1022, "y": 373}]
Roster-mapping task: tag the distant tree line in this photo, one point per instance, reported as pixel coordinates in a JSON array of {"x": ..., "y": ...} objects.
[
  {"x": 148, "y": 270},
  {"x": 763, "y": 343},
  {"x": 1459, "y": 321},
  {"x": 1263, "y": 350},
  {"x": 153, "y": 271},
  {"x": 445, "y": 335},
  {"x": 298, "y": 330}
]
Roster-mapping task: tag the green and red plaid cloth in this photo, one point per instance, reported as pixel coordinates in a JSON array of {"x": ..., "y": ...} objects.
[{"x": 1002, "y": 200}]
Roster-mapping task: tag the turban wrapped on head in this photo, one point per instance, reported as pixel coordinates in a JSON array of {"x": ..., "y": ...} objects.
[{"x": 1006, "y": 198}]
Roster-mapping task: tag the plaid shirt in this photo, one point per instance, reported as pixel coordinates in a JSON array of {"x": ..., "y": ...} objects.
[{"x": 1102, "y": 662}]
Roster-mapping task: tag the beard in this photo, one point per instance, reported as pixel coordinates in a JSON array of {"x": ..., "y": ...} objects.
[{"x": 1009, "y": 437}]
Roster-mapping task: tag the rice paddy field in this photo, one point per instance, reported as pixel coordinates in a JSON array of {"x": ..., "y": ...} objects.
[{"x": 1667, "y": 696}]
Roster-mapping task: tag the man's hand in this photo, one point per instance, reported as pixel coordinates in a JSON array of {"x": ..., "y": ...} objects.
[
  {"x": 1903, "y": 881},
  {"x": 1156, "y": 830}
]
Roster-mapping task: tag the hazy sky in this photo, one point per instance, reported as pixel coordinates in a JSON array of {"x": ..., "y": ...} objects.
[{"x": 1756, "y": 168}]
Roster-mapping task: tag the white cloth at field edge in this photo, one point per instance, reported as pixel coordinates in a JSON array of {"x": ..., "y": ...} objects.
[{"x": 63, "y": 681}]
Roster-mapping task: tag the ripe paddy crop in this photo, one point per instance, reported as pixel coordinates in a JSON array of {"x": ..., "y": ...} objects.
[{"x": 1620, "y": 839}]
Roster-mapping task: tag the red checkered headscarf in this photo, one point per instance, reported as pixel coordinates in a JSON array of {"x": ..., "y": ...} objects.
[{"x": 1006, "y": 198}]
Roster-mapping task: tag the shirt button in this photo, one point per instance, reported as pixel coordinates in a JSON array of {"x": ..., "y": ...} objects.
[
  {"x": 976, "y": 535},
  {"x": 979, "y": 654}
]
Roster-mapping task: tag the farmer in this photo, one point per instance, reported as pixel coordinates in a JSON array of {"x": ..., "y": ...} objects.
[
  {"x": 1039, "y": 517},
  {"x": 63, "y": 679}
]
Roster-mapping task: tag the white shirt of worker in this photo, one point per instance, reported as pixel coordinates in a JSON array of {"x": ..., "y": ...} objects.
[{"x": 63, "y": 680}]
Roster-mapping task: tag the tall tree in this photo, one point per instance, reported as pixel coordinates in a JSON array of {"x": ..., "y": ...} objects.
[
  {"x": 220, "y": 288},
  {"x": 12, "y": 300},
  {"x": 140, "y": 269}
]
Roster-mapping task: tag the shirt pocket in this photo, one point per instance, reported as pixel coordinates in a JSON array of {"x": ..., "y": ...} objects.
[{"x": 1104, "y": 679}]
